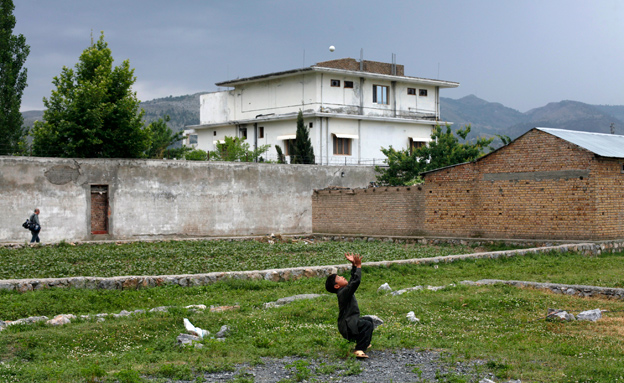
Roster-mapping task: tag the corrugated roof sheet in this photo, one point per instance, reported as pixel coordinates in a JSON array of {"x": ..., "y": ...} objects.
[{"x": 604, "y": 145}]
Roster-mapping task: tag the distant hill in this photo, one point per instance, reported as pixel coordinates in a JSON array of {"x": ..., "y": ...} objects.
[
  {"x": 486, "y": 118},
  {"x": 183, "y": 110},
  {"x": 489, "y": 118}
]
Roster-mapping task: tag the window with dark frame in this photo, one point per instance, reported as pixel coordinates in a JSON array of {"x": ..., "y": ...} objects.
[
  {"x": 342, "y": 146},
  {"x": 415, "y": 145},
  {"x": 380, "y": 94},
  {"x": 192, "y": 139},
  {"x": 289, "y": 146},
  {"x": 348, "y": 84},
  {"x": 422, "y": 92},
  {"x": 214, "y": 133},
  {"x": 243, "y": 132},
  {"x": 411, "y": 91},
  {"x": 261, "y": 132},
  {"x": 335, "y": 83},
  {"x": 311, "y": 125}
]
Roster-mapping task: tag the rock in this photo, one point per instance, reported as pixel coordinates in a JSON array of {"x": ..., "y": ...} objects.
[
  {"x": 29, "y": 320},
  {"x": 223, "y": 308},
  {"x": 591, "y": 315},
  {"x": 188, "y": 340},
  {"x": 435, "y": 288},
  {"x": 384, "y": 287},
  {"x": 412, "y": 318},
  {"x": 560, "y": 314},
  {"x": 61, "y": 319},
  {"x": 159, "y": 309},
  {"x": 283, "y": 301},
  {"x": 376, "y": 320},
  {"x": 224, "y": 332},
  {"x": 399, "y": 292},
  {"x": 486, "y": 380},
  {"x": 197, "y": 307},
  {"x": 122, "y": 313}
]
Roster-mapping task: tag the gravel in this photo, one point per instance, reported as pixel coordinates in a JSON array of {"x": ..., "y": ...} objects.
[{"x": 398, "y": 366}]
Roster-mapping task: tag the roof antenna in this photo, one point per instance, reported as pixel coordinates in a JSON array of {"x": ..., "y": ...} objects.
[
  {"x": 303, "y": 59},
  {"x": 394, "y": 64},
  {"x": 612, "y": 128}
]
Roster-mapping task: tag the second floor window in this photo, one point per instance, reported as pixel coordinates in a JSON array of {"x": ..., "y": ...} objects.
[
  {"x": 260, "y": 131},
  {"x": 342, "y": 146},
  {"x": 380, "y": 94},
  {"x": 335, "y": 83}
]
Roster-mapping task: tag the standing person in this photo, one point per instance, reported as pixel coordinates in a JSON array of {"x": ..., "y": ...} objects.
[
  {"x": 36, "y": 226},
  {"x": 350, "y": 325}
]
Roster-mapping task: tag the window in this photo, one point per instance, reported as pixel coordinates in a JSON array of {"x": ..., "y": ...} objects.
[
  {"x": 289, "y": 147},
  {"x": 380, "y": 94},
  {"x": 192, "y": 139},
  {"x": 311, "y": 125},
  {"x": 335, "y": 83},
  {"x": 261, "y": 132},
  {"x": 416, "y": 144},
  {"x": 422, "y": 92},
  {"x": 214, "y": 133},
  {"x": 243, "y": 133},
  {"x": 348, "y": 84},
  {"x": 342, "y": 146},
  {"x": 411, "y": 91}
]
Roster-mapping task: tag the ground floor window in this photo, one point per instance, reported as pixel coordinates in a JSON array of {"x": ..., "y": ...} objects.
[
  {"x": 289, "y": 146},
  {"x": 415, "y": 144},
  {"x": 342, "y": 146}
]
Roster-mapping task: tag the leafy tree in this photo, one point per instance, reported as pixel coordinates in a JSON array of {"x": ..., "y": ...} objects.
[
  {"x": 93, "y": 112},
  {"x": 443, "y": 150},
  {"x": 161, "y": 137},
  {"x": 281, "y": 158},
  {"x": 303, "y": 153},
  {"x": 13, "y": 54},
  {"x": 235, "y": 149}
]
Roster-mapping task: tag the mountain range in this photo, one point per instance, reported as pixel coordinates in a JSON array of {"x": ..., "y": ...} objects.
[{"x": 487, "y": 119}]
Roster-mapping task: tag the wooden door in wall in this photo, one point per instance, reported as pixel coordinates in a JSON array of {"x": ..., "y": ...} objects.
[{"x": 99, "y": 209}]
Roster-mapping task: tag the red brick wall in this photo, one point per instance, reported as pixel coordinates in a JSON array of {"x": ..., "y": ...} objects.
[
  {"x": 373, "y": 211},
  {"x": 540, "y": 186}
]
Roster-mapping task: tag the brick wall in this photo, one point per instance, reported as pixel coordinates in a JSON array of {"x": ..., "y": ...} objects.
[
  {"x": 373, "y": 211},
  {"x": 369, "y": 66},
  {"x": 540, "y": 186}
]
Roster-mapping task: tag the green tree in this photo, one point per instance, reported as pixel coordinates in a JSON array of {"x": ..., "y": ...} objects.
[
  {"x": 161, "y": 137},
  {"x": 303, "y": 153},
  {"x": 235, "y": 149},
  {"x": 404, "y": 167},
  {"x": 13, "y": 54},
  {"x": 93, "y": 113}
]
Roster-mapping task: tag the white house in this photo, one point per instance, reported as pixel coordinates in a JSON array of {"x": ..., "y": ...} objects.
[{"x": 352, "y": 108}]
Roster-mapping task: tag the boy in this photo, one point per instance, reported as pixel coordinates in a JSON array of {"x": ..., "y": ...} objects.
[{"x": 350, "y": 325}]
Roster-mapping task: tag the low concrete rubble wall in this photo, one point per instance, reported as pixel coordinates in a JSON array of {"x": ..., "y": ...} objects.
[
  {"x": 558, "y": 288},
  {"x": 279, "y": 275}
]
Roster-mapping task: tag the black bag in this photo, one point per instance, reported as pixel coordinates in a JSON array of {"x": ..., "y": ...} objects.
[
  {"x": 34, "y": 227},
  {"x": 26, "y": 225}
]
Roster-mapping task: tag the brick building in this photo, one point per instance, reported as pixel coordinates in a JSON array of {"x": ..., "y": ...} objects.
[{"x": 548, "y": 184}]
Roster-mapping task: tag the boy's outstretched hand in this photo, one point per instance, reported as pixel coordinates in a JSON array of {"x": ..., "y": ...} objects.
[{"x": 355, "y": 259}]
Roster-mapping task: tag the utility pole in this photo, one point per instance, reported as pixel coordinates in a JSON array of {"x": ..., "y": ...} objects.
[{"x": 612, "y": 128}]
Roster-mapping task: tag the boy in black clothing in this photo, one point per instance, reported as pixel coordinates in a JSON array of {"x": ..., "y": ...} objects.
[{"x": 350, "y": 325}]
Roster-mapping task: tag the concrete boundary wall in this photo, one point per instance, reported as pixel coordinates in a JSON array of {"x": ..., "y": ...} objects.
[
  {"x": 95, "y": 199},
  {"x": 559, "y": 288},
  {"x": 278, "y": 275}
]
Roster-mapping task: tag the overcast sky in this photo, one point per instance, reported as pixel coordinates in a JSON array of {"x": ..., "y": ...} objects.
[{"x": 523, "y": 54}]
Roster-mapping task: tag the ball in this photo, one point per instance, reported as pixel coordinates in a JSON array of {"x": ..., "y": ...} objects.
[{"x": 332, "y": 48}]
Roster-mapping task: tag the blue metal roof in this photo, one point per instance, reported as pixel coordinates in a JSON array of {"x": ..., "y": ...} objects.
[{"x": 604, "y": 145}]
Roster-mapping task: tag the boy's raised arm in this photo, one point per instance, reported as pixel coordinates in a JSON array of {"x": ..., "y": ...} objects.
[{"x": 355, "y": 259}]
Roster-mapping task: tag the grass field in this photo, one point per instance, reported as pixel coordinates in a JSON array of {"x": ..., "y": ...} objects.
[{"x": 500, "y": 324}]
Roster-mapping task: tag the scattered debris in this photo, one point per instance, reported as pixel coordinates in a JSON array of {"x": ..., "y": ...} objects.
[
  {"x": 195, "y": 330},
  {"x": 61, "y": 319},
  {"x": 412, "y": 317},
  {"x": 188, "y": 340},
  {"x": 223, "y": 332},
  {"x": 377, "y": 321},
  {"x": 384, "y": 287}
]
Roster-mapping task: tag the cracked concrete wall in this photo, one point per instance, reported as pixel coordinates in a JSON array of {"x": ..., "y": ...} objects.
[{"x": 155, "y": 198}]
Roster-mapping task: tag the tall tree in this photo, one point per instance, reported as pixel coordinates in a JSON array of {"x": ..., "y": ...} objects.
[
  {"x": 444, "y": 149},
  {"x": 303, "y": 153},
  {"x": 93, "y": 113},
  {"x": 13, "y": 54},
  {"x": 161, "y": 136}
]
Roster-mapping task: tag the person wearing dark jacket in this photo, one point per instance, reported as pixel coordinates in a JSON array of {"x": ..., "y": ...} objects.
[
  {"x": 36, "y": 227},
  {"x": 350, "y": 325}
]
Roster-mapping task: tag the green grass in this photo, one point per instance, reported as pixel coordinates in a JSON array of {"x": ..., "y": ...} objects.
[
  {"x": 194, "y": 257},
  {"x": 499, "y": 324}
]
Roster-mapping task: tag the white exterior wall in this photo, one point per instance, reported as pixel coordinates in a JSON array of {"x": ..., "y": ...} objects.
[{"x": 274, "y": 102}]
